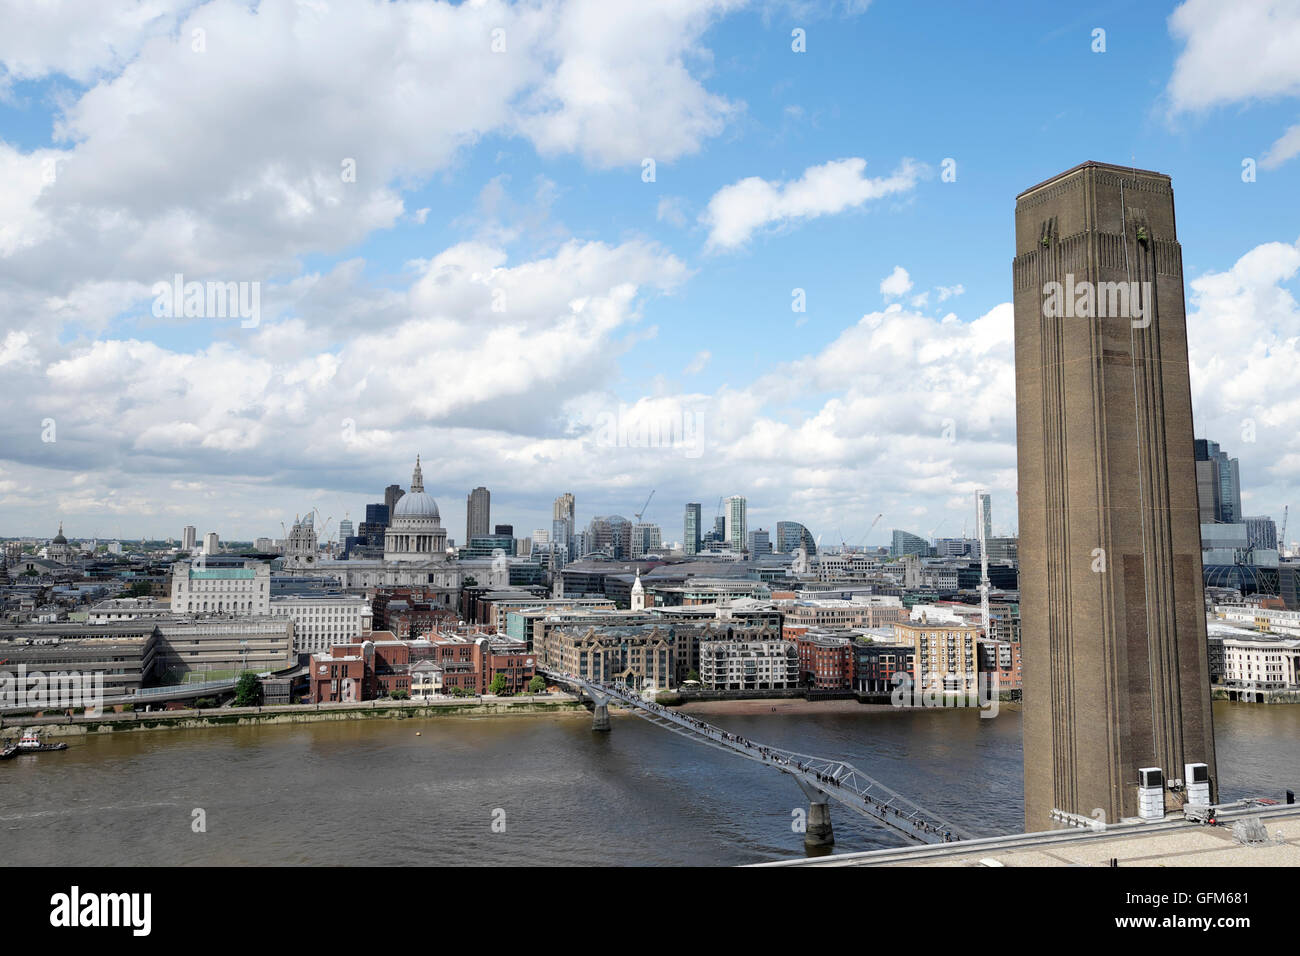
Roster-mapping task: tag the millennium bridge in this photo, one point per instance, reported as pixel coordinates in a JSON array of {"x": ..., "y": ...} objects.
[{"x": 821, "y": 779}]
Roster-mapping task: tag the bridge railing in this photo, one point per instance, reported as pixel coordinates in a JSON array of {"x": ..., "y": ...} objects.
[{"x": 833, "y": 778}]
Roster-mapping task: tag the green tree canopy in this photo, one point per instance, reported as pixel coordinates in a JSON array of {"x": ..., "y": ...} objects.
[{"x": 248, "y": 691}]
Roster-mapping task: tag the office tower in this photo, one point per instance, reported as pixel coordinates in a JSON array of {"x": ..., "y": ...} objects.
[
  {"x": 1261, "y": 533},
  {"x": 1218, "y": 484},
  {"x": 719, "y": 529},
  {"x": 1113, "y": 623},
  {"x": 345, "y": 529},
  {"x": 392, "y": 494},
  {"x": 758, "y": 542},
  {"x": 734, "y": 527},
  {"x": 647, "y": 538},
  {"x": 478, "y": 507},
  {"x": 563, "y": 508},
  {"x": 691, "y": 529},
  {"x": 985, "y": 504},
  {"x": 504, "y": 529},
  {"x": 905, "y": 543},
  {"x": 210, "y": 543},
  {"x": 189, "y": 538},
  {"x": 791, "y": 535},
  {"x": 611, "y": 534}
]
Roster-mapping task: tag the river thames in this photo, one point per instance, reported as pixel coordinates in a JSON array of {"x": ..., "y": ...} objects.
[{"x": 531, "y": 790}]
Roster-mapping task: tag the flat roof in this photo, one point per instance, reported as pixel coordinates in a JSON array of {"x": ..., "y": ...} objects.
[{"x": 1093, "y": 164}]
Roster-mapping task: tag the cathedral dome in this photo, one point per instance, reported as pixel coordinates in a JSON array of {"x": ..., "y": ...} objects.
[
  {"x": 416, "y": 504},
  {"x": 59, "y": 538}
]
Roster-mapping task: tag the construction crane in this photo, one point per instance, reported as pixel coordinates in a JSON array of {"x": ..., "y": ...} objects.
[
  {"x": 874, "y": 522},
  {"x": 982, "y": 532},
  {"x": 644, "y": 506}
]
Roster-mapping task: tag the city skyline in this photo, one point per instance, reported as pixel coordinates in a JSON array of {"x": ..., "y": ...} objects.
[{"x": 821, "y": 345}]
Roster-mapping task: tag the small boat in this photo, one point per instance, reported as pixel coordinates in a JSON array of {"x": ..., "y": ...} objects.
[
  {"x": 10, "y": 751},
  {"x": 30, "y": 743}
]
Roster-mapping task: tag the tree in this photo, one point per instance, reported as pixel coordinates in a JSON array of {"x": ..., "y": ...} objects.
[
  {"x": 248, "y": 691},
  {"x": 537, "y": 685},
  {"x": 498, "y": 685},
  {"x": 693, "y": 674}
]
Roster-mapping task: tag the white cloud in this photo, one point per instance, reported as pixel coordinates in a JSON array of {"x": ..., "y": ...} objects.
[
  {"x": 737, "y": 211},
  {"x": 1243, "y": 327},
  {"x": 179, "y": 161},
  {"x": 699, "y": 363},
  {"x": 1234, "y": 52},
  {"x": 897, "y": 283},
  {"x": 1287, "y": 147},
  {"x": 80, "y": 39}
]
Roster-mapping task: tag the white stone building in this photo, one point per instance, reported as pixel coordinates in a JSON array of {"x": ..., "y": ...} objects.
[
  {"x": 749, "y": 665},
  {"x": 243, "y": 588},
  {"x": 322, "y": 620}
]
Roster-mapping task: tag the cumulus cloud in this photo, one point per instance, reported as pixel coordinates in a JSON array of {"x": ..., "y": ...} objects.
[
  {"x": 370, "y": 99},
  {"x": 1243, "y": 348},
  {"x": 1287, "y": 147},
  {"x": 737, "y": 211},
  {"x": 897, "y": 283},
  {"x": 80, "y": 39},
  {"x": 1234, "y": 52}
]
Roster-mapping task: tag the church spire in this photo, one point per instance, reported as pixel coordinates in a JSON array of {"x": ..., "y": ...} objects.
[{"x": 417, "y": 477}]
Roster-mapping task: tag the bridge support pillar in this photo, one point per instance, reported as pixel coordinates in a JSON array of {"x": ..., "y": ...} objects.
[
  {"x": 818, "y": 835},
  {"x": 600, "y": 715}
]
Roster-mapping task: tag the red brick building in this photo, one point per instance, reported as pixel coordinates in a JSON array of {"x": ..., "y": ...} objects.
[{"x": 825, "y": 661}]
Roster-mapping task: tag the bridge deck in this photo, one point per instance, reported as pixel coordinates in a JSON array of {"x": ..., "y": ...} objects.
[{"x": 821, "y": 777}]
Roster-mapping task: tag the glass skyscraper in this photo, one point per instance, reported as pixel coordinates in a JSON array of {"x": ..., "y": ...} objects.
[{"x": 691, "y": 529}]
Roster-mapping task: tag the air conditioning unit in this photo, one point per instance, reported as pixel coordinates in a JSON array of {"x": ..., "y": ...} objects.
[
  {"x": 1151, "y": 793},
  {"x": 1151, "y": 777},
  {"x": 1197, "y": 776}
]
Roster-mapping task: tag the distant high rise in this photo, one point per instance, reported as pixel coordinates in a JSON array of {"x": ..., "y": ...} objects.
[
  {"x": 735, "y": 526},
  {"x": 189, "y": 538},
  {"x": 986, "y": 505},
  {"x": 563, "y": 528},
  {"x": 1111, "y": 601},
  {"x": 478, "y": 507},
  {"x": 791, "y": 535},
  {"x": 691, "y": 529},
  {"x": 392, "y": 494},
  {"x": 504, "y": 529},
  {"x": 647, "y": 538},
  {"x": 1261, "y": 533},
  {"x": 758, "y": 542},
  {"x": 907, "y": 543},
  {"x": 345, "y": 529},
  {"x": 1218, "y": 484},
  {"x": 211, "y": 544}
]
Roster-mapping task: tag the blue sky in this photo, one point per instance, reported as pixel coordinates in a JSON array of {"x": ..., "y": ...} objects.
[{"x": 221, "y": 164}]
